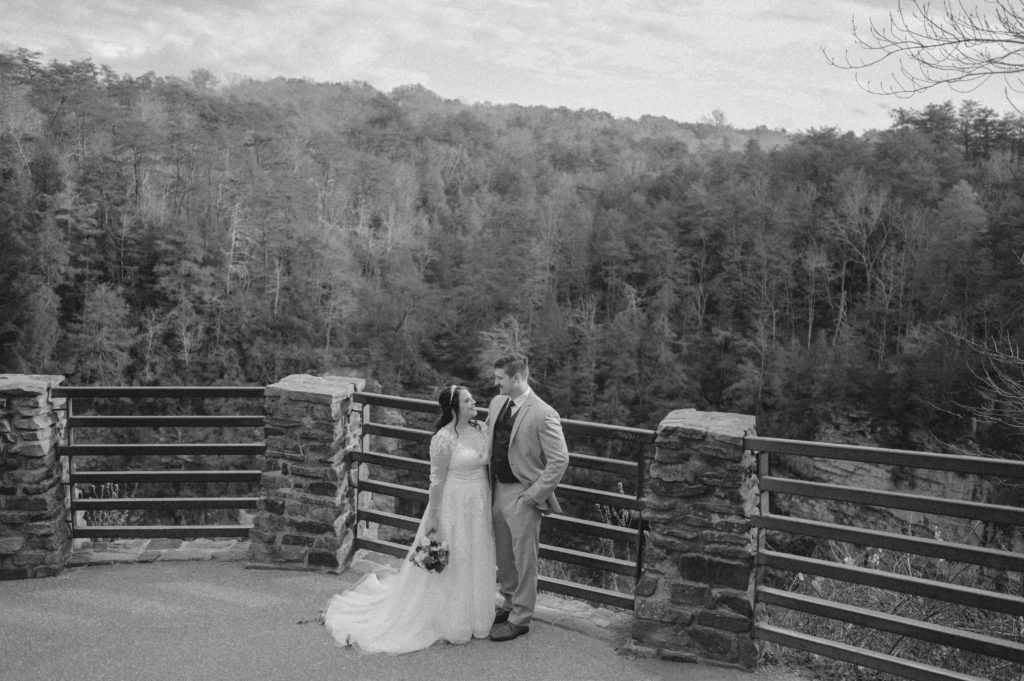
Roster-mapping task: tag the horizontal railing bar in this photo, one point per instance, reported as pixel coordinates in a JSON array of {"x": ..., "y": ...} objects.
[
  {"x": 606, "y": 563},
  {"x": 895, "y": 624},
  {"x": 407, "y": 492},
  {"x": 381, "y": 546},
  {"x": 600, "y": 497},
  {"x": 96, "y": 477},
  {"x": 951, "y": 593},
  {"x": 164, "y": 503},
  {"x": 391, "y": 460},
  {"x": 897, "y": 542},
  {"x": 402, "y": 522},
  {"x": 889, "y": 664},
  {"x": 571, "y": 426},
  {"x": 154, "y": 531},
  {"x": 409, "y": 464},
  {"x": 591, "y": 560},
  {"x": 608, "y": 432},
  {"x": 87, "y": 392},
  {"x": 600, "y": 463},
  {"x": 392, "y": 489},
  {"x": 251, "y": 421},
  {"x": 398, "y": 432},
  {"x": 589, "y": 593},
  {"x": 590, "y": 527},
  {"x": 396, "y": 402},
  {"x": 907, "y": 502},
  {"x": 978, "y": 465},
  {"x": 237, "y": 449}
]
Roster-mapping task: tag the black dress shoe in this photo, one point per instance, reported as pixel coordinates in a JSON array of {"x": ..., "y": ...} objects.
[
  {"x": 501, "y": 616},
  {"x": 506, "y": 631}
]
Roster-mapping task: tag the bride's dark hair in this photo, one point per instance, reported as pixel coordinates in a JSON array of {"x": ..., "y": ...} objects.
[{"x": 448, "y": 400}]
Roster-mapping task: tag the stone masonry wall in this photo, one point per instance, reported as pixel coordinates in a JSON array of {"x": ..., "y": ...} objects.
[
  {"x": 694, "y": 601},
  {"x": 35, "y": 538},
  {"x": 306, "y": 513}
]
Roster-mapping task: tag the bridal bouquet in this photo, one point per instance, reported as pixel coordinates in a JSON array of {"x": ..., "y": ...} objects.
[{"x": 430, "y": 554}]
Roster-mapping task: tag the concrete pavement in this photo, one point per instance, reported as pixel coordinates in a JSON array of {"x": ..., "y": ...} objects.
[{"x": 216, "y": 620}]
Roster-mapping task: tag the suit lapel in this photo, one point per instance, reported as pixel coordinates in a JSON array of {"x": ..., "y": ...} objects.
[{"x": 520, "y": 415}]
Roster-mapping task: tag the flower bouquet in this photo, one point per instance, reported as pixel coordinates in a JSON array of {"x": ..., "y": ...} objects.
[{"x": 430, "y": 554}]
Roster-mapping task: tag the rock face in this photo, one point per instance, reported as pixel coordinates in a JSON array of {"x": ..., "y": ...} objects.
[
  {"x": 307, "y": 509},
  {"x": 35, "y": 538},
  {"x": 694, "y": 601}
]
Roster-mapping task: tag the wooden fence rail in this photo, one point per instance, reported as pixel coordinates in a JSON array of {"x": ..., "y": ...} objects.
[
  {"x": 630, "y": 470},
  {"x": 81, "y": 480},
  {"x": 998, "y": 648}
]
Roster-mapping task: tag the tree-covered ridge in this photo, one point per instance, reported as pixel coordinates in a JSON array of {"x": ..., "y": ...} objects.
[{"x": 158, "y": 231}]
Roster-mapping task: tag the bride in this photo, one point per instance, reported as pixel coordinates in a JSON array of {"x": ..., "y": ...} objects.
[{"x": 414, "y": 608}]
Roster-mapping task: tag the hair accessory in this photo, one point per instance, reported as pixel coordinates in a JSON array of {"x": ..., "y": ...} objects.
[{"x": 454, "y": 390}]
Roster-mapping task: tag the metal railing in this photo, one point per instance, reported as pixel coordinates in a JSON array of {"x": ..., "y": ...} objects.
[
  {"x": 928, "y": 587},
  {"x": 83, "y": 484},
  {"x": 627, "y": 505}
]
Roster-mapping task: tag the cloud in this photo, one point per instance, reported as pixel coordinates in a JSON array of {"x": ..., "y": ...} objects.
[{"x": 760, "y": 62}]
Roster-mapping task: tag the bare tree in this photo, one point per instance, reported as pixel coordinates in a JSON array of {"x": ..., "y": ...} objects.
[
  {"x": 1002, "y": 382},
  {"x": 954, "y": 43}
]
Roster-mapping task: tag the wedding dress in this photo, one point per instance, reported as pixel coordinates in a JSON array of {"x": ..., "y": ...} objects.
[{"x": 413, "y": 608}]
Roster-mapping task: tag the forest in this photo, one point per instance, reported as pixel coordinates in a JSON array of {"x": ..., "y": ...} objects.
[{"x": 166, "y": 231}]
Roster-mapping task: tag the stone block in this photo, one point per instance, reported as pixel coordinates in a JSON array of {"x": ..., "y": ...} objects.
[
  {"x": 293, "y": 553},
  {"x": 37, "y": 450},
  {"x": 746, "y": 652},
  {"x": 38, "y": 422},
  {"x": 716, "y": 644},
  {"x": 314, "y": 389},
  {"x": 322, "y": 559},
  {"x": 309, "y": 527},
  {"x": 13, "y": 572},
  {"x": 735, "y": 526},
  {"x": 737, "y": 601},
  {"x": 724, "y": 621},
  {"x": 677, "y": 489},
  {"x": 297, "y": 540},
  {"x": 647, "y": 585},
  {"x": 658, "y": 504},
  {"x": 661, "y": 611},
  {"x": 272, "y": 505},
  {"x": 42, "y": 528},
  {"x": 10, "y": 545},
  {"x": 690, "y": 593},
  {"x": 730, "y": 551},
  {"x": 325, "y": 489},
  {"x": 696, "y": 567},
  {"x": 318, "y": 472},
  {"x": 655, "y": 634}
]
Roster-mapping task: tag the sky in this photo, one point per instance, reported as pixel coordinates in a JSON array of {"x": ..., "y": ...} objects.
[{"x": 759, "y": 62}]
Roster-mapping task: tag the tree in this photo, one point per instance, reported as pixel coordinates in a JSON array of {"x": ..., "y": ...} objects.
[
  {"x": 948, "y": 44},
  {"x": 99, "y": 342}
]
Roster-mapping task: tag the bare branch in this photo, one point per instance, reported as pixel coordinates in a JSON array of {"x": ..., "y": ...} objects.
[{"x": 951, "y": 44}]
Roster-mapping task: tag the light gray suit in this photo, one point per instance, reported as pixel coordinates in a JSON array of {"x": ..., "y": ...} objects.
[{"x": 538, "y": 457}]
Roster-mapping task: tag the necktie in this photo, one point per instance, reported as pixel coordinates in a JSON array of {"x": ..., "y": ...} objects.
[{"x": 508, "y": 410}]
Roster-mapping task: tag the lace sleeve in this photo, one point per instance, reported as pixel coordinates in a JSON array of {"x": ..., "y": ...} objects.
[{"x": 440, "y": 455}]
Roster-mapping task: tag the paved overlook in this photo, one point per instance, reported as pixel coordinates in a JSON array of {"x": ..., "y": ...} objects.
[{"x": 195, "y": 613}]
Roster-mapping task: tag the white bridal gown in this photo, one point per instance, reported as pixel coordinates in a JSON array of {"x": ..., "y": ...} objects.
[{"x": 413, "y": 609}]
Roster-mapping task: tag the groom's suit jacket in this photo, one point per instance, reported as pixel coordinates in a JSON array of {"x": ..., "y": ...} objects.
[{"x": 537, "y": 452}]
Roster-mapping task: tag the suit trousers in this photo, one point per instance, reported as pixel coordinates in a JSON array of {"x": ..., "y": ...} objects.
[{"x": 516, "y": 541}]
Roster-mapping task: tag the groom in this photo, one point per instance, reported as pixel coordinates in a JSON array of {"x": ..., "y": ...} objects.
[{"x": 528, "y": 458}]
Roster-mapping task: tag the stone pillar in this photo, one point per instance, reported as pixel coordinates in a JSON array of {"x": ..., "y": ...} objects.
[
  {"x": 306, "y": 515},
  {"x": 694, "y": 600},
  {"x": 35, "y": 538}
]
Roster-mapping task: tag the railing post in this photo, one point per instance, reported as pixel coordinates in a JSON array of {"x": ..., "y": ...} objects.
[
  {"x": 306, "y": 514},
  {"x": 694, "y": 600},
  {"x": 35, "y": 540}
]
